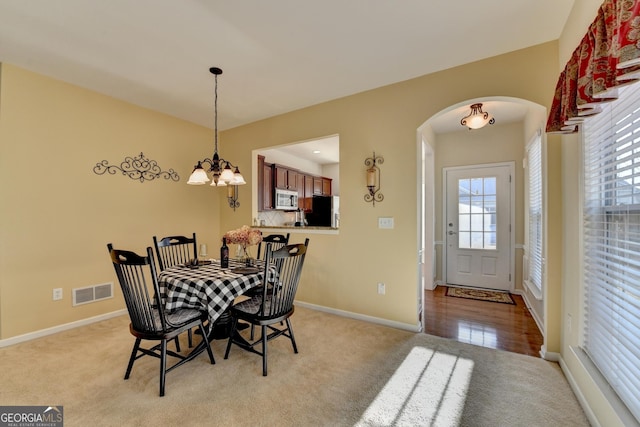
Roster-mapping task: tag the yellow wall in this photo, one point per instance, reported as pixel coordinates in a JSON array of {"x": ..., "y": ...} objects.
[
  {"x": 345, "y": 268},
  {"x": 582, "y": 15},
  {"x": 63, "y": 131},
  {"x": 57, "y": 215}
]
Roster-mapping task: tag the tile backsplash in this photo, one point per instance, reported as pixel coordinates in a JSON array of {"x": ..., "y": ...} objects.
[{"x": 275, "y": 218}]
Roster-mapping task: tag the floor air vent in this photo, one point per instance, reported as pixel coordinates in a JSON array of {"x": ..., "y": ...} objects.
[{"x": 92, "y": 293}]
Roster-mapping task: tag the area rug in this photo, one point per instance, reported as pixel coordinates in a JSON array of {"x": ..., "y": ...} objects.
[{"x": 480, "y": 294}]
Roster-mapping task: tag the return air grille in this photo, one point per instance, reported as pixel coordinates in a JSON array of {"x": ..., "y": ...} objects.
[{"x": 92, "y": 293}]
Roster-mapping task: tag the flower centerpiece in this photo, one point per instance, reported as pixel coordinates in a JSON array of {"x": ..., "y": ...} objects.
[{"x": 244, "y": 237}]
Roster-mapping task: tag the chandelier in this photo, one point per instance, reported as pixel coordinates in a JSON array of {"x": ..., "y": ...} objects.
[
  {"x": 477, "y": 118},
  {"x": 223, "y": 172}
]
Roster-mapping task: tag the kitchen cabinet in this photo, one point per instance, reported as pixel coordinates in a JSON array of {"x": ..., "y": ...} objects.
[
  {"x": 326, "y": 186},
  {"x": 306, "y": 203},
  {"x": 317, "y": 185},
  {"x": 265, "y": 185},
  {"x": 300, "y": 186},
  {"x": 272, "y": 176},
  {"x": 321, "y": 186},
  {"x": 285, "y": 178}
]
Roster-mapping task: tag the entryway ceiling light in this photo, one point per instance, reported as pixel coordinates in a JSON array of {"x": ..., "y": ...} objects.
[{"x": 477, "y": 118}]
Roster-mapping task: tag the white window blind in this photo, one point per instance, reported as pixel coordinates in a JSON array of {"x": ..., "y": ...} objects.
[
  {"x": 612, "y": 244},
  {"x": 535, "y": 232}
]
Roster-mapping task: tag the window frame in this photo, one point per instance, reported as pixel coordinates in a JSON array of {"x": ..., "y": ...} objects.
[
  {"x": 537, "y": 292},
  {"x": 600, "y": 210}
]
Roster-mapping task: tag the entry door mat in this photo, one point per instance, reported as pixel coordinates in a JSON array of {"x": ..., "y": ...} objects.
[{"x": 480, "y": 294}]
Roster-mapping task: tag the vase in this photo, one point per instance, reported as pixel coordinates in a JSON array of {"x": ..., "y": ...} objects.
[{"x": 245, "y": 255}]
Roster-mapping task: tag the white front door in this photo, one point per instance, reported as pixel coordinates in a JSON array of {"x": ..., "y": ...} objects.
[{"x": 478, "y": 226}]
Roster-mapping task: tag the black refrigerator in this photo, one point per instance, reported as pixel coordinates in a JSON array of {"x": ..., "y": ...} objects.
[{"x": 321, "y": 211}]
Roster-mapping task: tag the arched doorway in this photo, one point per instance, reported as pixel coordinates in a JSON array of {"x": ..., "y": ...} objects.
[{"x": 442, "y": 141}]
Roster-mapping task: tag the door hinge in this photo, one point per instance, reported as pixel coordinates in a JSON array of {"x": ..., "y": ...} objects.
[
  {"x": 509, "y": 178},
  {"x": 509, "y": 276}
]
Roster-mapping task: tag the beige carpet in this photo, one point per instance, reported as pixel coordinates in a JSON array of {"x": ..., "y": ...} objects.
[{"x": 347, "y": 373}]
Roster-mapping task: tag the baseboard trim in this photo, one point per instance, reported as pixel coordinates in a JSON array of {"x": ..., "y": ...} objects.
[
  {"x": 55, "y": 329},
  {"x": 549, "y": 355},
  {"x": 577, "y": 391},
  {"x": 371, "y": 319},
  {"x": 535, "y": 316}
]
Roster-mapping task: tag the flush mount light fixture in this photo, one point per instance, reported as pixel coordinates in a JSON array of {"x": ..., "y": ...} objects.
[
  {"x": 223, "y": 171},
  {"x": 477, "y": 118}
]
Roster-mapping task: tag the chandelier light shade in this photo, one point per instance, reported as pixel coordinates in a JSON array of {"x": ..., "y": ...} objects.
[
  {"x": 477, "y": 118},
  {"x": 222, "y": 171}
]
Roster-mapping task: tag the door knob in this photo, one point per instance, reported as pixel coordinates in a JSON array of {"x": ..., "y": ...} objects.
[{"x": 451, "y": 233}]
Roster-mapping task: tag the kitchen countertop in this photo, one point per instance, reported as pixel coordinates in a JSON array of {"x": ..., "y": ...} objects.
[{"x": 305, "y": 229}]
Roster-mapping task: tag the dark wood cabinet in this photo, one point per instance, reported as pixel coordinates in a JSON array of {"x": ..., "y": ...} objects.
[
  {"x": 317, "y": 185},
  {"x": 300, "y": 187},
  {"x": 274, "y": 176},
  {"x": 286, "y": 178},
  {"x": 326, "y": 186},
  {"x": 265, "y": 185},
  {"x": 306, "y": 203}
]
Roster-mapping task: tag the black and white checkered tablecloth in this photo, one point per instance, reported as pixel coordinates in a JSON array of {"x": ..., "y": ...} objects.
[{"x": 207, "y": 285}]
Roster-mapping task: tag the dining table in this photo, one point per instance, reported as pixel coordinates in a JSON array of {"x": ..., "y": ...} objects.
[{"x": 209, "y": 286}]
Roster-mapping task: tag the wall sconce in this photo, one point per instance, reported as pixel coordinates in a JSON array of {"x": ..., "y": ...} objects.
[
  {"x": 477, "y": 118},
  {"x": 232, "y": 196},
  {"x": 373, "y": 179}
]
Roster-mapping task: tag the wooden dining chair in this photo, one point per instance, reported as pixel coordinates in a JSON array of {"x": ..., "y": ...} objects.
[
  {"x": 174, "y": 250},
  {"x": 149, "y": 321},
  {"x": 277, "y": 241},
  {"x": 274, "y": 305}
]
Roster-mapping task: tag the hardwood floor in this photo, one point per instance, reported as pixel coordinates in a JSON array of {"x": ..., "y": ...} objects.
[{"x": 487, "y": 324}]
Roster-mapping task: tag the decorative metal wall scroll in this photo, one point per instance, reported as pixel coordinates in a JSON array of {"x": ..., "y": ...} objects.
[
  {"x": 139, "y": 168},
  {"x": 373, "y": 179}
]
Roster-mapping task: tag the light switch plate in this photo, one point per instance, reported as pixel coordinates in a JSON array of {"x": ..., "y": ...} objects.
[{"x": 385, "y": 222}]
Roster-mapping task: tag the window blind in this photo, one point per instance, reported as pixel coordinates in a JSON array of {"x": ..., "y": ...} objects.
[
  {"x": 534, "y": 246},
  {"x": 612, "y": 244}
]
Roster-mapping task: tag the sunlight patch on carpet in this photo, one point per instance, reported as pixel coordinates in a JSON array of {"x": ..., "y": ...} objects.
[{"x": 428, "y": 388}]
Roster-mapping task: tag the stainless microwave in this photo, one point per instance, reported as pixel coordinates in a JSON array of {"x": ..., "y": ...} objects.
[{"x": 286, "y": 199}]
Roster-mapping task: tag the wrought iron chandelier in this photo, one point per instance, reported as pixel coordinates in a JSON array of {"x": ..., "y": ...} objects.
[
  {"x": 223, "y": 171},
  {"x": 477, "y": 118}
]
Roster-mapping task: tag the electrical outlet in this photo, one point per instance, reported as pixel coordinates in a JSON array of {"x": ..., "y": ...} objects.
[
  {"x": 381, "y": 288},
  {"x": 385, "y": 222},
  {"x": 57, "y": 294}
]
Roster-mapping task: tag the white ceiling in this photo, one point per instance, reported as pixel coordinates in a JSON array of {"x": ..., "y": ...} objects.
[{"x": 277, "y": 55}]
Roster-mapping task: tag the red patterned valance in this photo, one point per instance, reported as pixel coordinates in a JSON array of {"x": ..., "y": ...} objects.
[{"x": 608, "y": 56}]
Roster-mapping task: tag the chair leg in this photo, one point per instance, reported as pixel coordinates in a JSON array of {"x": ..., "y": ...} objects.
[
  {"x": 190, "y": 338},
  {"x": 253, "y": 328},
  {"x": 132, "y": 359},
  {"x": 293, "y": 340},
  {"x": 207, "y": 344},
  {"x": 163, "y": 365},
  {"x": 264, "y": 350},
  {"x": 177, "y": 344},
  {"x": 234, "y": 322}
]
